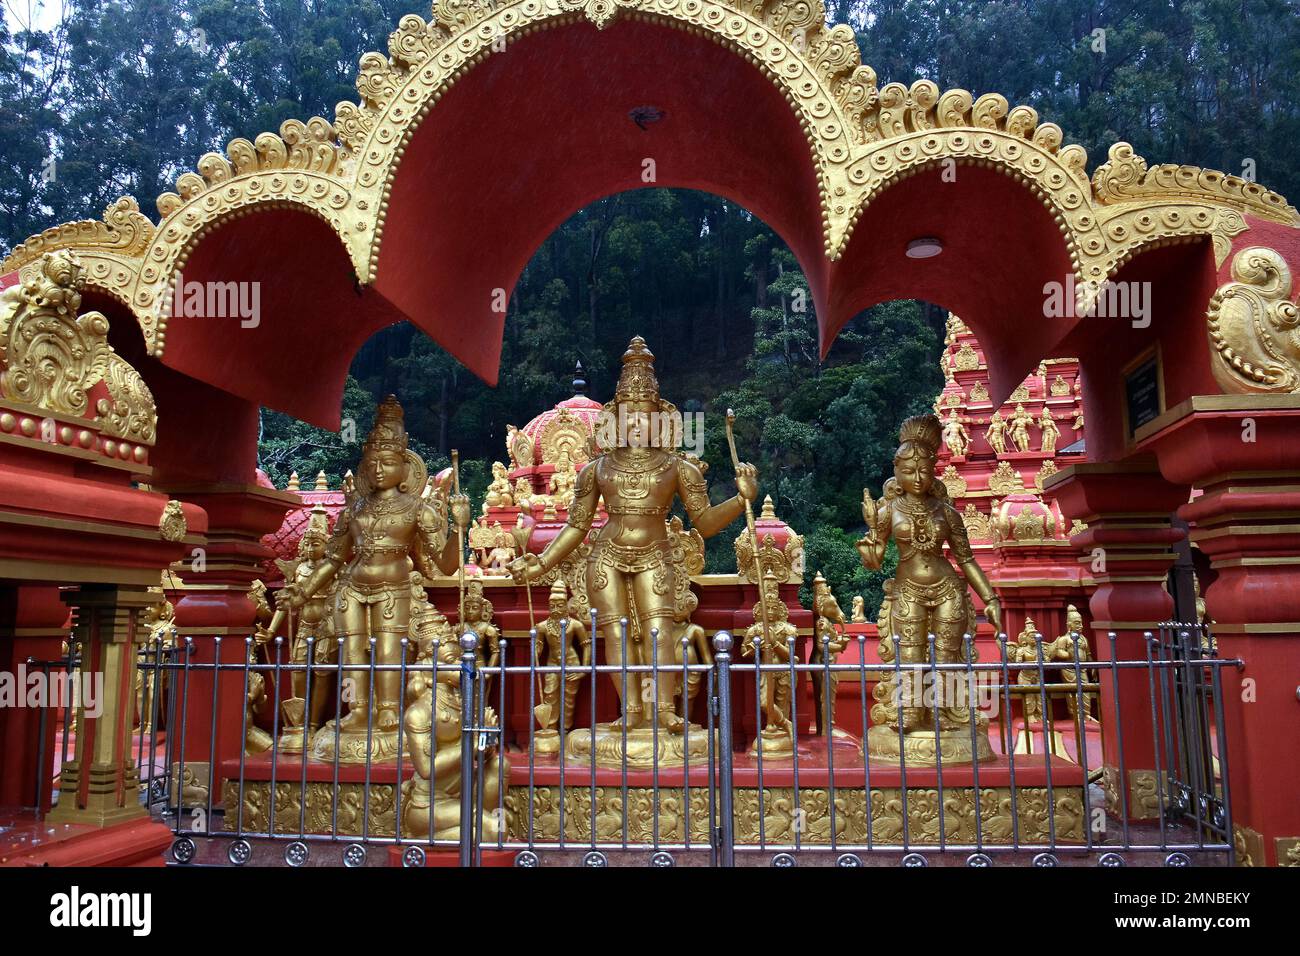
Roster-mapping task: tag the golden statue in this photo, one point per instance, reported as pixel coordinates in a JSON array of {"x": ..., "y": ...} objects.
[
  {"x": 1020, "y": 423},
  {"x": 830, "y": 640},
  {"x": 433, "y": 737},
  {"x": 559, "y": 637},
  {"x": 859, "y": 613},
  {"x": 564, "y": 480},
  {"x": 955, "y": 435},
  {"x": 693, "y": 642},
  {"x": 523, "y": 494},
  {"x": 158, "y": 621},
  {"x": 1025, "y": 651},
  {"x": 773, "y": 647},
  {"x": 928, "y": 597},
  {"x": 315, "y": 621},
  {"x": 630, "y": 570},
  {"x": 478, "y": 618},
  {"x": 1063, "y": 650},
  {"x": 499, "y": 494},
  {"x": 1050, "y": 432},
  {"x": 384, "y": 529},
  {"x": 996, "y": 434}
]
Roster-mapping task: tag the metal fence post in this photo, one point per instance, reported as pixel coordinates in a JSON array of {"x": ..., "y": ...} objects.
[
  {"x": 722, "y": 644},
  {"x": 468, "y": 644}
]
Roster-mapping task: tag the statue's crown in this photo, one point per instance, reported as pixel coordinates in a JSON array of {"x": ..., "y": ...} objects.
[
  {"x": 637, "y": 381},
  {"x": 389, "y": 431}
]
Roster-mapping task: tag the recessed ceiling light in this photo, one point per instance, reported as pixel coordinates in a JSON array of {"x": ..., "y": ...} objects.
[{"x": 926, "y": 247}]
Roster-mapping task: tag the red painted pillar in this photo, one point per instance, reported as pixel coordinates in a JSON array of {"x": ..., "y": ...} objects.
[
  {"x": 1243, "y": 452},
  {"x": 215, "y": 605},
  {"x": 1128, "y": 551},
  {"x": 33, "y": 624}
]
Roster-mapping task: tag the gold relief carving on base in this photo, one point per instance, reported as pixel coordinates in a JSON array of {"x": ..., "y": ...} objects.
[
  {"x": 979, "y": 392},
  {"x": 967, "y": 359},
  {"x": 1045, "y": 471},
  {"x": 1020, "y": 394},
  {"x": 320, "y": 808},
  {"x": 1254, "y": 326},
  {"x": 954, "y": 482},
  {"x": 1249, "y": 845},
  {"x": 1288, "y": 851},
  {"x": 1143, "y": 794},
  {"x": 171, "y": 524}
]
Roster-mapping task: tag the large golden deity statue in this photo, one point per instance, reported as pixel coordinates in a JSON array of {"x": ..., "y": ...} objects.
[
  {"x": 384, "y": 531},
  {"x": 630, "y": 571},
  {"x": 928, "y": 598}
]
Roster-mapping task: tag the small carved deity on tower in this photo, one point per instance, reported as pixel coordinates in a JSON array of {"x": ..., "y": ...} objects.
[
  {"x": 1050, "y": 432},
  {"x": 829, "y": 642},
  {"x": 1020, "y": 423},
  {"x": 499, "y": 493},
  {"x": 563, "y": 481},
  {"x": 996, "y": 434},
  {"x": 955, "y": 435}
]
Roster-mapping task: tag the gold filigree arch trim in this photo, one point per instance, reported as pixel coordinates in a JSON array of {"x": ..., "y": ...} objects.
[{"x": 862, "y": 138}]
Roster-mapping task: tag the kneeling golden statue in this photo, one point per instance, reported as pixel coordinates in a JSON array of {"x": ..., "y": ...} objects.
[{"x": 928, "y": 598}]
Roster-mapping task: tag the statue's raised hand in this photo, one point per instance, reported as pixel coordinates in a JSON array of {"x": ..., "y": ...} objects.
[
  {"x": 460, "y": 511},
  {"x": 747, "y": 481},
  {"x": 869, "y": 510},
  {"x": 528, "y": 568}
]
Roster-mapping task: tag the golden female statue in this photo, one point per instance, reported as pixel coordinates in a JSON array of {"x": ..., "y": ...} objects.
[
  {"x": 928, "y": 598},
  {"x": 630, "y": 572},
  {"x": 1050, "y": 432},
  {"x": 1020, "y": 423},
  {"x": 385, "y": 528}
]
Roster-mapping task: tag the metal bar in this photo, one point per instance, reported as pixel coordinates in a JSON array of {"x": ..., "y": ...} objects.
[
  {"x": 627, "y": 709},
  {"x": 968, "y": 645},
  {"x": 468, "y": 642},
  {"x": 1007, "y": 718},
  {"x": 722, "y": 645},
  {"x": 1045, "y": 703},
  {"x": 866, "y": 761},
  {"x": 937, "y": 693},
  {"x": 1119, "y": 744},
  {"x": 1155, "y": 738},
  {"x": 794, "y": 731}
]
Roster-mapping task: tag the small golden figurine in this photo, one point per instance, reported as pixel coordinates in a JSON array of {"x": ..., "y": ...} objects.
[
  {"x": 564, "y": 480},
  {"x": 693, "y": 642},
  {"x": 928, "y": 597},
  {"x": 1020, "y": 423},
  {"x": 385, "y": 527},
  {"x": 996, "y": 434},
  {"x": 1050, "y": 432},
  {"x": 955, "y": 435},
  {"x": 859, "y": 613},
  {"x": 158, "y": 621},
  {"x": 829, "y": 642},
  {"x": 630, "y": 571},
  {"x": 499, "y": 494},
  {"x": 772, "y": 645},
  {"x": 315, "y": 620},
  {"x": 559, "y": 637},
  {"x": 478, "y": 618}
]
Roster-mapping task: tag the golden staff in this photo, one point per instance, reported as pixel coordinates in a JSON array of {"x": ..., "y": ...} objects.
[
  {"x": 753, "y": 535},
  {"x": 460, "y": 535}
]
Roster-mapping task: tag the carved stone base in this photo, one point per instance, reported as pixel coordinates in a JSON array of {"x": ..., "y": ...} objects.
[
  {"x": 292, "y": 739},
  {"x": 773, "y": 745},
  {"x": 353, "y": 745},
  {"x": 919, "y": 747},
  {"x": 640, "y": 747}
]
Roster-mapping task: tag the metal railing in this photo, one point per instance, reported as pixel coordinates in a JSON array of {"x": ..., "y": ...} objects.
[{"x": 1056, "y": 730}]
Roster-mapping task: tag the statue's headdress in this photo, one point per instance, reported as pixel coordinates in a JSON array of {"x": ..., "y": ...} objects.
[
  {"x": 919, "y": 435},
  {"x": 318, "y": 528},
  {"x": 558, "y": 590},
  {"x": 772, "y": 591},
  {"x": 637, "y": 381},
  {"x": 389, "y": 431}
]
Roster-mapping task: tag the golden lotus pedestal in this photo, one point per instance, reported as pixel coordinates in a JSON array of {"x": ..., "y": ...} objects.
[
  {"x": 674, "y": 749},
  {"x": 353, "y": 745},
  {"x": 546, "y": 741},
  {"x": 925, "y": 748}
]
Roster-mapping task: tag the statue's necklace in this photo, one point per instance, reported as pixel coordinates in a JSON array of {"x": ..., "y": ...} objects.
[{"x": 924, "y": 534}]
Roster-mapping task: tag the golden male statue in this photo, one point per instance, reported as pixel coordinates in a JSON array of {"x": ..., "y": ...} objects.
[
  {"x": 385, "y": 528},
  {"x": 630, "y": 572}
]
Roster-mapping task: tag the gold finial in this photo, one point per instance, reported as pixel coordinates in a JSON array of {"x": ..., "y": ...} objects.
[
  {"x": 294, "y": 482},
  {"x": 769, "y": 509},
  {"x": 322, "y": 482}
]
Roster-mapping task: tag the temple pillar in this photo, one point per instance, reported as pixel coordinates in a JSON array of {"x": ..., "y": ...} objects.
[
  {"x": 101, "y": 784},
  {"x": 1127, "y": 551},
  {"x": 216, "y": 616},
  {"x": 33, "y": 625},
  {"x": 1242, "y": 452}
]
